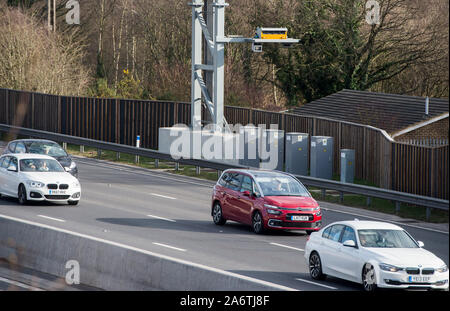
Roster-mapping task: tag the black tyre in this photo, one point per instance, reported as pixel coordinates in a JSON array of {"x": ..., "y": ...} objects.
[
  {"x": 22, "y": 195},
  {"x": 217, "y": 215},
  {"x": 368, "y": 278},
  {"x": 315, "y": 267},
  {"x": 257, "y": 223},
  {"x": 73, "y": 202}
]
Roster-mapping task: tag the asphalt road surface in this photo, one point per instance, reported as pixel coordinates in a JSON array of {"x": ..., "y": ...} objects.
[{"x": 170, "y": 215}]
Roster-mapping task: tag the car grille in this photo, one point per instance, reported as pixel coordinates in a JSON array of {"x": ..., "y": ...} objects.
[
  {"x": 55, "y": 186},
  {"x": 427, "y": 271},
  {"x": 57, "y": 197},
  {"x": 413, "y": 270},
  {"x": 298, "y": 225}
]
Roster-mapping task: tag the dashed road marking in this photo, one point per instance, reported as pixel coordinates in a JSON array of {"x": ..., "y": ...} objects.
[
  {"x": 168, "y": 246},
  {"x": 163, "y": 196},
  {"x": 51, "y": 218},
  {"x": 318, "y": 284},
  {"x": 286, "y": 246},
  {"x": 162, "y": 218}
]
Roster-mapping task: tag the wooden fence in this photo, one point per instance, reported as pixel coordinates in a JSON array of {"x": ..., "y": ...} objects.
[{"x": 393, "y": 165}]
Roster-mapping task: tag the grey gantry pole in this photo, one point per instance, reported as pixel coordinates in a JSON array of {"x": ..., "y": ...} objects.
[
  {"x": 196, "y": 92},
  {"x": 213, "y": 93},
  {"x": 219, "y": 62}
]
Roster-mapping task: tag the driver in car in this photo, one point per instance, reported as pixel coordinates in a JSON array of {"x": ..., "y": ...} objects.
[
  {"x": 43, "y": 166},
  {"x": 279, "y": 187}
]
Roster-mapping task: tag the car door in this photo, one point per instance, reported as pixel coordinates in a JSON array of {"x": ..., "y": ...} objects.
[
  {"x": 348, "y": 258},
  {"x": 12, "y": 177},
  {"x": 245, "y": 203},
  {"x": 232, "y": 195},
  {"x": 3, "y": 161},
  {"x": 330, "y": 246},
  {"x": 221, "y": 189}
]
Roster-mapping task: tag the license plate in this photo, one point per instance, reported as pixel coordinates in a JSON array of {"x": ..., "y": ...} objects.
[
  {"x": 54, "y": 192},
  {"x": 301, "y": 218},
  {"x": 419, "y": 279}
]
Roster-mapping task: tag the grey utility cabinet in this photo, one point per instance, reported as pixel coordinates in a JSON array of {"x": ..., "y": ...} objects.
[
  {"x": 297, "y": 153},
  {"x": 347, "y": 165},
  {"x": 248, "y": 146},
  {"x": 272, "y": 149},
  {"x": 322, "y": 157}
]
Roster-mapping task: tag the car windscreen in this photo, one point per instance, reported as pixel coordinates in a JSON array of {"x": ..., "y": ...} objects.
[
  {"x": 40, "y": 165},
  {"x": 47, "y": 148},
  {"x": 280, "y": 185},
  {"x": 382, "y": 238}
]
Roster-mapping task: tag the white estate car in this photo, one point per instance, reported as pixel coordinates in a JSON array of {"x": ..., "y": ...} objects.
[
  {"x": 375, "y": 254},
  {"x": 38, "y": 178}
]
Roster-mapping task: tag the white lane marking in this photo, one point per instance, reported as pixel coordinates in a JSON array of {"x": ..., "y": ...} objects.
[
  {"x": 167, "y": 219},
  {"x": 143, "y": 251},
  {"x": 286, "y": 246},
  {"x": 168, "y": 246},
  {"x": 51, "y": 218},
  {"x": 318, "y": 284},
  {"x": 385, "y": 220},
  {"x": 163, "y": 196},
  {"x": 19, "y": 284}
]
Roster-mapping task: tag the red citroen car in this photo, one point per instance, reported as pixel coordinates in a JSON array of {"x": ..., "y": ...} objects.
[{"x": 265, "y": 200}]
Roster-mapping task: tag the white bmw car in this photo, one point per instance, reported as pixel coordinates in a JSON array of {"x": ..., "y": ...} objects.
[
  {"x": 374, "y": 254},
  {"x": 34, "y": 177}
]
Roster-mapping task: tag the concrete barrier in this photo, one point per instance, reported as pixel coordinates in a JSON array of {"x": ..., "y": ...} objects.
[{"x": 109, "y": 265}]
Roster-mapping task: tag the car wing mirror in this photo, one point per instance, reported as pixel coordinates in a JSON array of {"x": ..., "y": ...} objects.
[
  {"x": 67, "y": 169},
  {"x": 12, "y": 168},
  {"x": 246, "y": 193},
  {"x": 349, "y": 243},
  {"x": 421, "y": 244}
]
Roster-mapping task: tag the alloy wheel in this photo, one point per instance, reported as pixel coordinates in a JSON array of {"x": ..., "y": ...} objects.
[
  {"x": 217, "y": 215},
  {"x": 315, "y": 267},
  {"x": 368, "y": 278},
  {"x": 257, "y": 223},
  {"x": 22, "y": 195}
]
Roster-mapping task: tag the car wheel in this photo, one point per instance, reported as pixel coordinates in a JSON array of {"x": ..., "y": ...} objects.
[
  {"x": 217, "y": 215},
  {"x": 73, "y": 202},
  {"x": 368, "y": 278},
  {"x": 257, "y": 223},
  {"x": 315, "y": 267},
  {"x": 22, "y": 195},
  {"x": 308, "y": 232}
]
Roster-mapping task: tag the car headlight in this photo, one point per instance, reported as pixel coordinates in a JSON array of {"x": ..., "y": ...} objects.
[
  {"x": 318, "y": 210},
  {"x": 273, "y": 212},
  {"x": 442, "y": 269},
  {"x": 272, "y": 209},
  {"x": 35, "y": 184},
  {"x": 76, "y": 184},
  {"x": 72, "y": 165},
  {"x": 390, "y": 268}
]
